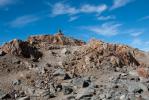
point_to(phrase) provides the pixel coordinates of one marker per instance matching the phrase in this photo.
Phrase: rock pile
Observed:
(69, 69)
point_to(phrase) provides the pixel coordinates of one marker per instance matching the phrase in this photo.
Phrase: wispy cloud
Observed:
(106, 29)
(137, 42)
(62, 8)
(23, 20)
(105, 18)
(144, 18)
(73, 18)
(87, 8)
(120, 3)
(135, 32)
(4, 3)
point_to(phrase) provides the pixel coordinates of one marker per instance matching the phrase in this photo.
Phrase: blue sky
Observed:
(117, 21)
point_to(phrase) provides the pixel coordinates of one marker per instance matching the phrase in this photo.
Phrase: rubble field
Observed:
(56, 67)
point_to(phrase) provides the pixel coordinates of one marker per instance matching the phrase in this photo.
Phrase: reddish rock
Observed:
(58, 39)
(143, 72)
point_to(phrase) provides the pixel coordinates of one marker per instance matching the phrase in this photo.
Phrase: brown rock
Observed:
(143, 72)
(21, 48)
(58, 39)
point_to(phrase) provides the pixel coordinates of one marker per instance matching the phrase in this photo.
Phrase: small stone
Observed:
(66, 77)
(122, 97)
(71, 98)
(102, 96)
(85, 92)
(2, 94)
(59, 72)
(67, 90)
(86, 84)
(16, 61)
(52, 90)
(24, 98)
(80, 82)
(16, 82)
(65, 51)
(58, 88)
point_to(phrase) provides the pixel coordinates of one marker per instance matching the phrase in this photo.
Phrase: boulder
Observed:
(81, 82)
(2, 53)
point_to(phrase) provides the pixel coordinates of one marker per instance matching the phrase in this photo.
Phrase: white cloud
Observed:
(23, 20)
(61, 9)
(73, 18)
(104, 18)
(135, 32)
(106, 29)
(87, 8)
(120, 3)
(144, 18)
(4, 3)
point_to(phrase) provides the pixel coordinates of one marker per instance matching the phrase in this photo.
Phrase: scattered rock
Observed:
(59, 72)
(134, 87)
(24, 98)
(85, 92)
(80, 82)
(143, 72)
(67, 90)
(2, 94)
(65, 51)
(16, 82)
(56, 67)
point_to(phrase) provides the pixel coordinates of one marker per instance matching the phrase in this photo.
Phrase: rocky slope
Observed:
(55, 67)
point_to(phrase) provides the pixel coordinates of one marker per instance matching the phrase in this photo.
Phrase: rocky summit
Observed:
(56, 67)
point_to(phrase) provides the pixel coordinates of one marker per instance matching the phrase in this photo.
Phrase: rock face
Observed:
(21, 48)
(97, 54)
(63, 68)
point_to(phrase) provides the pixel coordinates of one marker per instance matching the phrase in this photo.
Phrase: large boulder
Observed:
(2, 53)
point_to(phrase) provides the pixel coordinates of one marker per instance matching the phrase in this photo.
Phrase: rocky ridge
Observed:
(55, 67)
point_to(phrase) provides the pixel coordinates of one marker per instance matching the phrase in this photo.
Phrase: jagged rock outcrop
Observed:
(21, 48)
(57, 39)
(98, 54)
